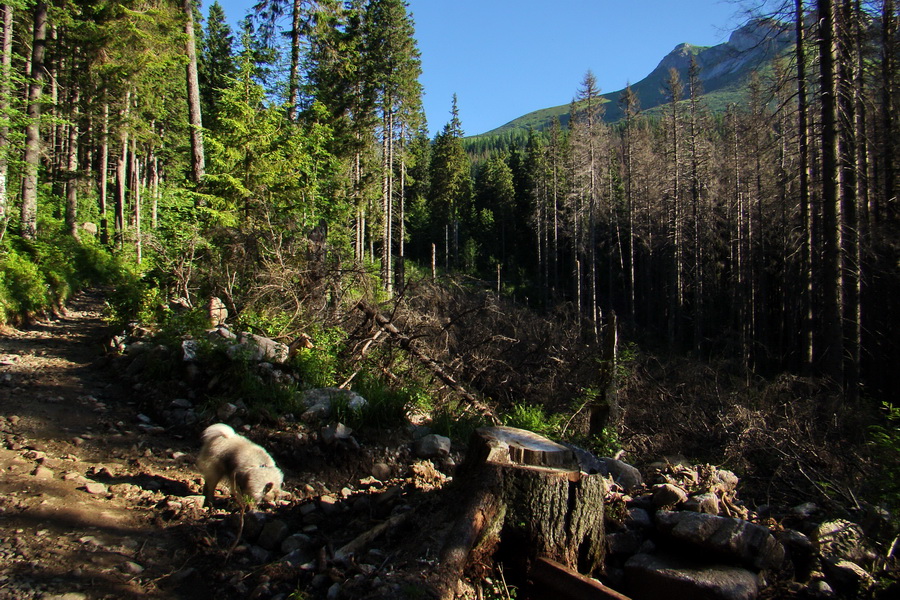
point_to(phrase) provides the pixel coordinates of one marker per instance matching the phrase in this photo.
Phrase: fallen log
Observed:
(527, 498)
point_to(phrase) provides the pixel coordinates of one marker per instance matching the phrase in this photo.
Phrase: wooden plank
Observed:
(550, 576)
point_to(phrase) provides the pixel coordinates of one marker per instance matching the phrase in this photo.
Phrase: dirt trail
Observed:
(81, 485)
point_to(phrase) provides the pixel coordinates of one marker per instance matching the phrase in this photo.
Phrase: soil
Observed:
(94, 503)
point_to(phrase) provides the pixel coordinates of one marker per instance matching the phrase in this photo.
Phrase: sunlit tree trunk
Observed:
(5, 91)
(32, 156)
(198, 160)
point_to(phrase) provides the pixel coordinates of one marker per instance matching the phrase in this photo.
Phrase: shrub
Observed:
(534, 418)
(885, 439)
(22, 286)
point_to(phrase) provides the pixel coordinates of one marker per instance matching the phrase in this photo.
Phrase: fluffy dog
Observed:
(250, 471)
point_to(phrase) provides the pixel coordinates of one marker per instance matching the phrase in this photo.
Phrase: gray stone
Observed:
(189, 350)
(297, 541)
(181, 403)
(847, 577)
(753, 545)
(42, 472)
(319, 402)
(273, 533)
(431, 446)
(638, 518)
(623, 543)
(668, 495)
(381, 471)
(258, 348)
(654, 577)
(335, 433)
(840, 539)
(703, 503)
(625, 475)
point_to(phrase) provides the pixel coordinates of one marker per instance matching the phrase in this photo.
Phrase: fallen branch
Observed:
(363, 540)
(431, 364)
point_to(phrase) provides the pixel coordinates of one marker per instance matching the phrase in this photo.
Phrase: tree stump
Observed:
(526, 498)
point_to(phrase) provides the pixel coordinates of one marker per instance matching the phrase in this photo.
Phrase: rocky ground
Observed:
(98, 502)
(100, 498)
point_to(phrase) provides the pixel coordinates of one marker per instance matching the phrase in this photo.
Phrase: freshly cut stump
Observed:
(527, 491)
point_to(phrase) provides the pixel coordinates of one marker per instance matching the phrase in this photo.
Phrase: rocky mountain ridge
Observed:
(725, 70)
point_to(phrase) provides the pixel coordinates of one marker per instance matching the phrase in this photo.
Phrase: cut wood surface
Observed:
(527, 490)
(510, 445)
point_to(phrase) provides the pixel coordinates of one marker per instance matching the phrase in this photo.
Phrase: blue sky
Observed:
(505, 58)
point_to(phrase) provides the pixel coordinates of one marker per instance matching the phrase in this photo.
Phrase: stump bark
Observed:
(526, 498)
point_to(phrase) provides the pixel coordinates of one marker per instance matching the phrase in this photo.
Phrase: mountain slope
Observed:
(724, 71)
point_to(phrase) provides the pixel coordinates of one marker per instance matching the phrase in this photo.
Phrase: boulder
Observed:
(753, 545)
(668, 495)
(320, 401)
(217, 311)
(431, 446)
(258, 348)
(627, 476)
(650, 577)
(703, 503)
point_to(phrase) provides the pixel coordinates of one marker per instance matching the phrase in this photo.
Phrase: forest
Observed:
(286, 168)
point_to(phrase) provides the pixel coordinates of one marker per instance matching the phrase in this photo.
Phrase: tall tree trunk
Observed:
(72, 167)
(806, 339)
(5, 91)
(888, 82)
(102, 173)
(294, 75)
(122, 175)
(832, 351)
(32, 156)
(198, 160)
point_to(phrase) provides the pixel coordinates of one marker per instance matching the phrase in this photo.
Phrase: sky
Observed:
(506, 58)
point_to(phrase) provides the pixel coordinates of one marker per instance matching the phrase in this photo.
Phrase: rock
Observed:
(625, 475)
(799, 550)
(329, 505)
(297, 541)
(847, 577)
(840, 539)
(254, 521)
(381, 471)
(226, 411)
(257, 348)
(183, 403)
(189, 350)
(334, 592)
(703, 503)
(431, 446)
(220, 333)
(273, 533)
(753, 545)
(216, 311)
(668, 495)
(335, 433)
(623, 543)
(638, 518)
(42, 472)
(132, 568)
(654, 577)
(95, 488)
(320, 401)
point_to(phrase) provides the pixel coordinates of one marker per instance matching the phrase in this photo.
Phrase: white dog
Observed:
(250, 471)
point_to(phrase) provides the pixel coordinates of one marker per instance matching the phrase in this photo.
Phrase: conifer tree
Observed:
(216, 63)
(32, 130)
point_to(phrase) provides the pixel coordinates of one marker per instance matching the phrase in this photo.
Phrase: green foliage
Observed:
(134, 298)
(453, 421)
(42, 274)
(885, 440)
(534, 418)
(320, 366)
(22, 286)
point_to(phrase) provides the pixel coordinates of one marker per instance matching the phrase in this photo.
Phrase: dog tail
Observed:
(217, 430)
